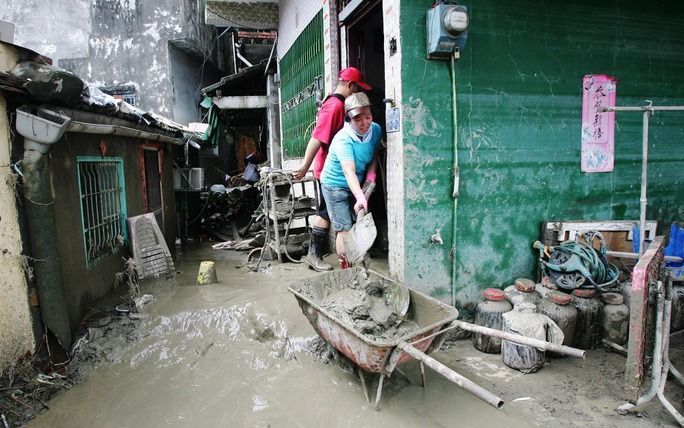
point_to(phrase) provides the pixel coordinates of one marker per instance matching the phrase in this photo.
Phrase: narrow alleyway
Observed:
(239, 354)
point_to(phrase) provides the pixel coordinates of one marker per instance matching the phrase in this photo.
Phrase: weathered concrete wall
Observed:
(119, 41)
(82, 286)
(187, 84)
(16, 336)
(519, 120)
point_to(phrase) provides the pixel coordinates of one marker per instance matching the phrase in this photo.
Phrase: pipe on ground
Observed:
(523, 340)
(454, 377)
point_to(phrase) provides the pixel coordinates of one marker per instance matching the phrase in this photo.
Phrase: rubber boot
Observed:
(316, 248)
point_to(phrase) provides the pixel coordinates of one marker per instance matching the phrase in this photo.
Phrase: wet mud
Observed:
(363, 306)
(240, 353)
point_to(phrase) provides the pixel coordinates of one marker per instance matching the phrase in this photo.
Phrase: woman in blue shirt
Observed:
(353, 154)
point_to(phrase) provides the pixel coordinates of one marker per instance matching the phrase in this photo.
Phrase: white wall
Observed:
(294, 16)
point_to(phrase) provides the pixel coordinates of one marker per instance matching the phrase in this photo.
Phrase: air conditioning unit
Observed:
(181, 178)
(197, 178)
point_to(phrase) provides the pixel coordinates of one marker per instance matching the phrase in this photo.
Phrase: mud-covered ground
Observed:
(240, 353)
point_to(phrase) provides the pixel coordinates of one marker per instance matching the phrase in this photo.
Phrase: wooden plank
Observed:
(645, 273)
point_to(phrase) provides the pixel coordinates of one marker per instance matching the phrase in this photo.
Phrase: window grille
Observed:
(103, 206)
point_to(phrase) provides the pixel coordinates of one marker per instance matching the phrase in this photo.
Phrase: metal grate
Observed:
(103, 206)
(301, 71)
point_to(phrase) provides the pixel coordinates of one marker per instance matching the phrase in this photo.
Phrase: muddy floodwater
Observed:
(240, 353)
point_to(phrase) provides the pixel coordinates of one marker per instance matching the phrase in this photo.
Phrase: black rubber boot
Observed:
(316, 248)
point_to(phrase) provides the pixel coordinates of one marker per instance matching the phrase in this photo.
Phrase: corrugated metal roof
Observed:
(258, 15)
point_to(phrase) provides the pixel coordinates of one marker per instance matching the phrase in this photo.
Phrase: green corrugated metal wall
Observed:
(519, 117)
(301, 67)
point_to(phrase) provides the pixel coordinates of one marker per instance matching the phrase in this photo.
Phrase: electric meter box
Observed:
(447, 30)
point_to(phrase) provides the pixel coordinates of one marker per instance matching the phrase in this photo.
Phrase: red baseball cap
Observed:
(352, 74)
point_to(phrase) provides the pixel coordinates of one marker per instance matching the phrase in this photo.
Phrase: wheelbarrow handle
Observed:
(451, 375)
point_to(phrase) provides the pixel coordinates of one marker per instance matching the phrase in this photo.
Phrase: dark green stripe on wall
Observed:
(301, 66)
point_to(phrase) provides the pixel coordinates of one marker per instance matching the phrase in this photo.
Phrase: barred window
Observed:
(103, 206)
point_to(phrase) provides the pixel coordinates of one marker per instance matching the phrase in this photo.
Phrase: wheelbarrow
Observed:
(371, 354)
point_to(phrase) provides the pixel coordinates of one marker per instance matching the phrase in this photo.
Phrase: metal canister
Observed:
(615, 322)
(556, 305)
(489, 313)
(588, 325)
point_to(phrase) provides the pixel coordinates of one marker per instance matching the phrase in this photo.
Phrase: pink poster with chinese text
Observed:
(598, 128)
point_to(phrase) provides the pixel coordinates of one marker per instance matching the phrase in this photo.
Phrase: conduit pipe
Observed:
(456, 173)
(523, 340)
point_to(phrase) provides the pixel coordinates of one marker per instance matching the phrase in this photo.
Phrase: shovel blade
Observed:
(361, 238)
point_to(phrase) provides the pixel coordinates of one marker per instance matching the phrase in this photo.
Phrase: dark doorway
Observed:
(153, 184)
(364, 34)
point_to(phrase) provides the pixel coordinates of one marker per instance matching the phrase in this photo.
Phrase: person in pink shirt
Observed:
(330, 119)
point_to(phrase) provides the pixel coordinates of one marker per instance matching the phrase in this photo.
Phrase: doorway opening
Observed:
(362, 46)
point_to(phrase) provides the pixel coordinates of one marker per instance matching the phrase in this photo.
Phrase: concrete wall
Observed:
(519, 104)
(82, 286)
(118, 41)
(16, 336)
(294, 16)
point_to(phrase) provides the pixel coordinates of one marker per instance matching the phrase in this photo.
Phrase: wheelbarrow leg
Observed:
(422, 374)
(379, 392)
(363, 383)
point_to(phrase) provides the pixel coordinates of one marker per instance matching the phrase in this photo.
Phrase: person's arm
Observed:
(311, 149)
(349, 169)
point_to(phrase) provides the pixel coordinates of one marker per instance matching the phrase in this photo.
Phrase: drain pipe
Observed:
(40, 131)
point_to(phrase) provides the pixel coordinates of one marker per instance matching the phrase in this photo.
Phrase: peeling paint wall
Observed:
(119, 41)
(16, 336)
(519, 121)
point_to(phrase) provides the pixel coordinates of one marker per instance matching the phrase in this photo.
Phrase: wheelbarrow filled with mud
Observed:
(353, 310)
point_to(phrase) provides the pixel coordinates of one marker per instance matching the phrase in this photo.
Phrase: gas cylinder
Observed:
(489, 313)
(556, 305)
(523, 290)
(588, 326)
(615, 322)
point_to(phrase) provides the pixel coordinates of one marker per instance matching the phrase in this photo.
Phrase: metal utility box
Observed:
(447, 30)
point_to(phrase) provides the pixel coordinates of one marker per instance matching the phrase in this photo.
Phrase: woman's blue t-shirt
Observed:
(346, 146)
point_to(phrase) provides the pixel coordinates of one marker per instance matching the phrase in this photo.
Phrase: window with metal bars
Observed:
(103, 206)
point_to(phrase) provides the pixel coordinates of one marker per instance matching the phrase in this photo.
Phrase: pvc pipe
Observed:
(644, 183)
(456, 174)
(523, 340)
(615, 347)
(628, 255)
(454, 377)
(642, 108)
